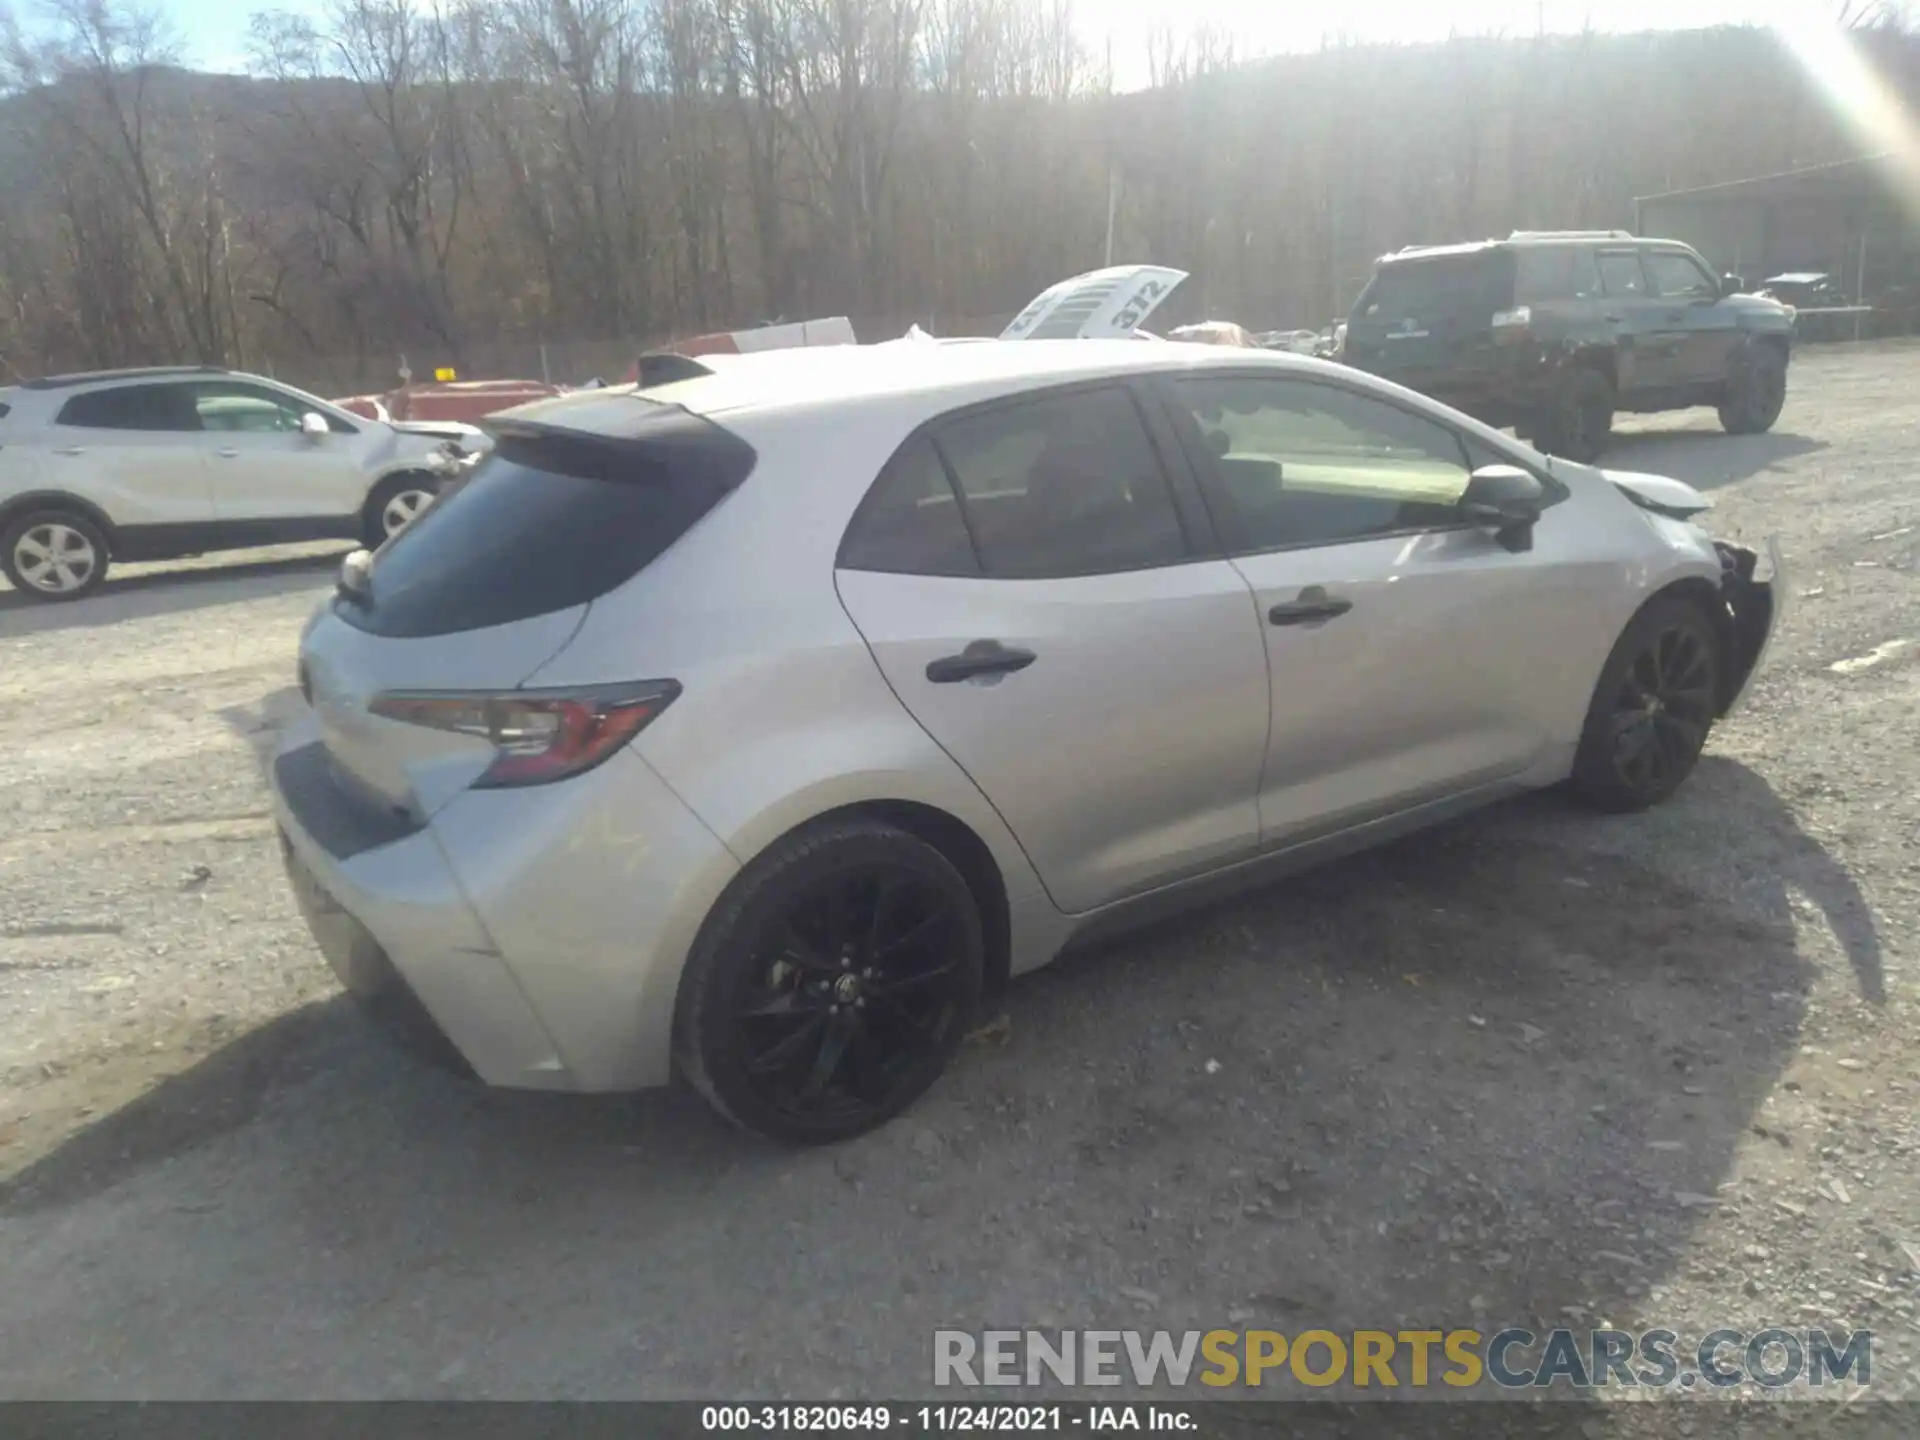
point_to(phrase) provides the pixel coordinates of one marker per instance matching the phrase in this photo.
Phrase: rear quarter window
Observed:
(548, 522)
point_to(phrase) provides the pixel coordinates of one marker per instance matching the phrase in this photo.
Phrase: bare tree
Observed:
(467, 179)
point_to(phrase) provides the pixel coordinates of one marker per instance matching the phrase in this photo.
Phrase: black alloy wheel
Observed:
(1663, 710)
(840, 988)
(1656, 701)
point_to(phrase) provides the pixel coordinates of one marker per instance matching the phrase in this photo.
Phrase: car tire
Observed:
(397, 496)
(832, 983)
(1578, 421)
(1757, 393)
(1652, 709)
(54, 554)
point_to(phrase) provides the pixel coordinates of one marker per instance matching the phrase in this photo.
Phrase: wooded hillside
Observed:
(463, 183)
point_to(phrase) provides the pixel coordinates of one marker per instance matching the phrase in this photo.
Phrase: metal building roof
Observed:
(1806, 178)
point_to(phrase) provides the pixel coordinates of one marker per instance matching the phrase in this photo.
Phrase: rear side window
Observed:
(1443, 286)
(911, 522)
(1622, 275)
(132, 407)
(547, 522)
(1068, 485)
(1556, 272)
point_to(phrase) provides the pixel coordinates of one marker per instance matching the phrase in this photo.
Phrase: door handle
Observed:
(72, 450)
(1676, 314)
(228, 454)
(982, 657)
(1313, 603)
(1613, 319)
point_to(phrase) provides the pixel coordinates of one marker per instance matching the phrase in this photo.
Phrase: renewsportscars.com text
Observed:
(1444, 1359)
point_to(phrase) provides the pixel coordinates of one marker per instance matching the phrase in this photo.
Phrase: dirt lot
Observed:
(1534, 1068)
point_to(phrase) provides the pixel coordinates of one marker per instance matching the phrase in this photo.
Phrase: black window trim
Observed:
(1189, 511)
(1234, 546)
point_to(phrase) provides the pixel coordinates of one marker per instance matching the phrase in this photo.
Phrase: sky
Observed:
(214, 32)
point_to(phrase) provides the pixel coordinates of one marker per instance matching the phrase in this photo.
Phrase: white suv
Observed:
(157, 464)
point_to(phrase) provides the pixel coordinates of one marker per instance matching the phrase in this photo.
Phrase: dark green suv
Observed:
(1552, 332)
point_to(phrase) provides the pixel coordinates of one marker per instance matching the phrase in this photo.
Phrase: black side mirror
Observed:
(1732, 285)
(1507, 501)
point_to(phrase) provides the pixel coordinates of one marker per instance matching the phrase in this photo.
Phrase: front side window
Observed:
(1620, 272)
(151, 408)
(1680, 277)
(245, 408)
(1297, 462)
(1067, 485)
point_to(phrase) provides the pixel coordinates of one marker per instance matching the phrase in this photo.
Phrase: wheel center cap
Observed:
(846, 988)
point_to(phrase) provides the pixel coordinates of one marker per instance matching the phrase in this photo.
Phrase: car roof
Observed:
(103, 377)
(1524, 240)
(945, 376)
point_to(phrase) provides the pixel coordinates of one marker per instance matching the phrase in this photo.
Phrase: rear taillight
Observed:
(540, 735)
(1512, 324)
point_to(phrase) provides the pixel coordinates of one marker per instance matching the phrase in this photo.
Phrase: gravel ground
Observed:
(1533, 1068)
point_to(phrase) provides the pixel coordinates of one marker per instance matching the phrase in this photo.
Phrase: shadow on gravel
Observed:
(1489, 1076)
(163, 592)
(1705, 459)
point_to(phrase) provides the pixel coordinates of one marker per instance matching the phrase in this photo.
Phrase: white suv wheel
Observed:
(54, 558)
(402, 509)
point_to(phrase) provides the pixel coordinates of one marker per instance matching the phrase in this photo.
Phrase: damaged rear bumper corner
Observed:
(1754, 608)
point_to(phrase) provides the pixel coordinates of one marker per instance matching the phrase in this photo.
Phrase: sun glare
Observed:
(1864, 102)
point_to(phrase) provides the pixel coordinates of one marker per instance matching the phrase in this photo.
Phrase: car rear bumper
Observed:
(535, 937)
(392, 921)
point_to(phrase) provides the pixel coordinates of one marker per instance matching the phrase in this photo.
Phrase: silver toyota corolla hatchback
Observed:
(756, 726)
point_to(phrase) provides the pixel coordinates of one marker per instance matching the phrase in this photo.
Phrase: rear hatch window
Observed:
(551, 519)
(1416, 311)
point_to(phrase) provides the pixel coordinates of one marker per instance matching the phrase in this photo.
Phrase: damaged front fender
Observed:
(1754, 608)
